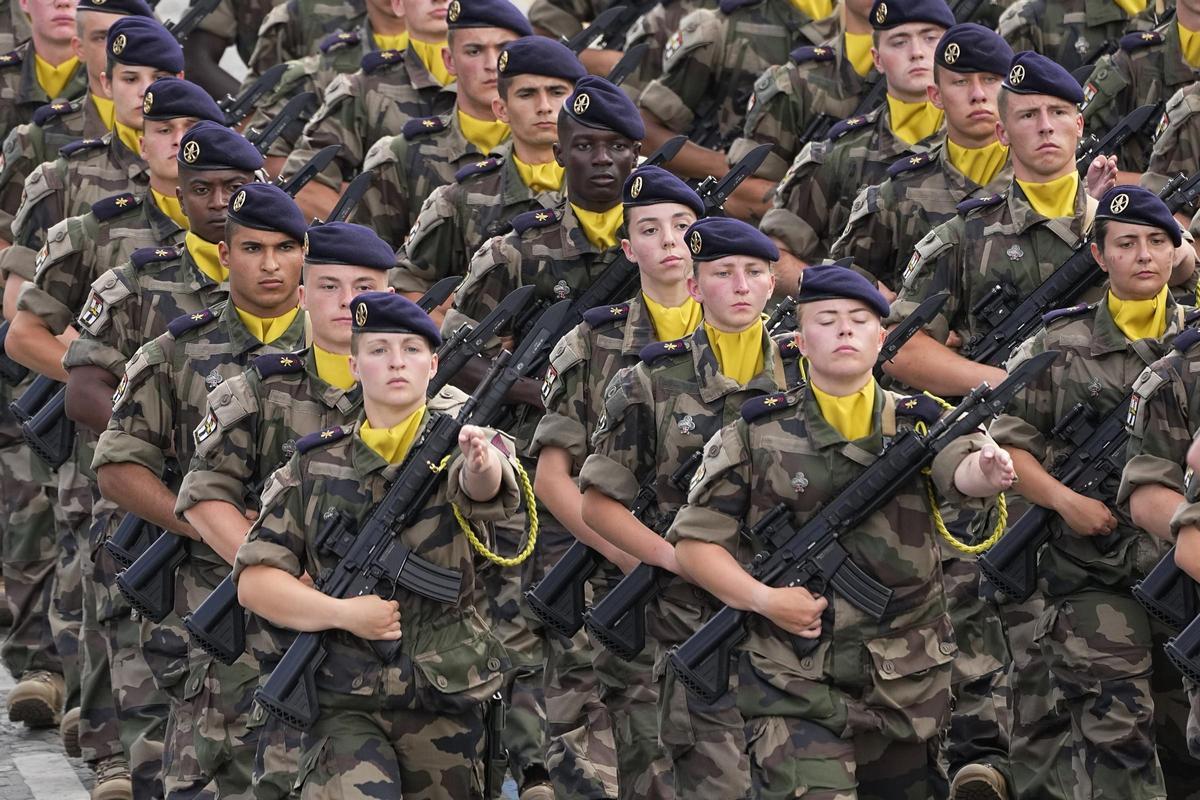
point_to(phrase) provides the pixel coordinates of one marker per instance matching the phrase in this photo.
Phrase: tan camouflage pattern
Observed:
(1072, 33)
(293, 29)
(20, 92)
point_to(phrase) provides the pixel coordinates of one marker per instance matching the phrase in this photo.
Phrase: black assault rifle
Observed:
(238, 108)
(45, 427)
(1168, 594)
(191, 19)
(1130, 125)
(817, 129)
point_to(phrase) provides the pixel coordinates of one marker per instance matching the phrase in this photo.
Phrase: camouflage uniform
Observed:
(888, 219)
(20, 92)
(407, 168)
(1148, 68)
(863, 710)
(711, 63)
(1177, 140)
(457, 218)
(1071, 32)
(565, 18)
(238, 23)
(654, 29)
(291, 30)
(653, 416)
(415, 722)
(14, 25)
(815, 197)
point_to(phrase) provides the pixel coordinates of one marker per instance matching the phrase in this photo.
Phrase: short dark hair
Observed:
(502, 84)
(1099, 229)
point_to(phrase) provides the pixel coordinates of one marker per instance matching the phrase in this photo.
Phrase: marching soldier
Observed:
(1177, 140)
(1070, 32)
(43, 69)
(292, 29)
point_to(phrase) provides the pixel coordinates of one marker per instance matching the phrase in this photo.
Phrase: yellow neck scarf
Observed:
(205, 255)
(858, 52)
(912, 122)
(106, 110)
(1189, 43)
(600, 227)
(334, 368)
(739, 355)
(130, 137)
(980, 164)
(850, 415)
(814, 9)
(546, 177)
(1140, 319)
(174, 209)
(485, 134)
(1131, 7)
(397, 41)
(430, 54)
(673, 322)
(392, 443)
(266, 329)
(1054, 198)
(53, 79)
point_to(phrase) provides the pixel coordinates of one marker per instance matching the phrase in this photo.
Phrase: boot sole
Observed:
(70, 743)
(34, 713)
(977, 790)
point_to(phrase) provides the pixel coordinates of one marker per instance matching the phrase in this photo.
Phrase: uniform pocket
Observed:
(910, 680)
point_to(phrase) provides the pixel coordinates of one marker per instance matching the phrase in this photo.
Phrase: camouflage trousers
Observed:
(357, 750)
(66, 606)
(705, 742)
(1172, 721)
(277, 760)
(630, 693)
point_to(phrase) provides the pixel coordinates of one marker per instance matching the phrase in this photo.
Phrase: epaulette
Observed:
(278, 364)
(919, 406)
(376, 59)
(45, 113)
(730, 6)
(1062, 313)
(652, 352)
(80, 145)
(1186, 338)
(147, 255)
(1136, 41)
(1190, 317)
(595, 317)
(542, 218)
(327, 436)
(339, 39)
(759, 407)
(10, 59)
(478, 168)
(110, 207)
(182, 324)
(845, 126)
(972, 203)
(808, 53)
(907, 163)
(419, 127)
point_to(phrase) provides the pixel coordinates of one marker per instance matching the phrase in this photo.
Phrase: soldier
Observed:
(429, 151)
(859, 716)
(887, 220)
(229, 24)
(292, 29)
(1070, 32)
(1176, 143)
(43, 69)
(414, 723)
(536, 74)
(653, 416)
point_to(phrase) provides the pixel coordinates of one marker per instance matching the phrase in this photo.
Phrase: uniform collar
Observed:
(163, 227)
(243, 341)
(198, 279)
(888, 147)
(367, 462)
(1102, 12)
(714, 385)
(513, 190)
(574, 235)
(419, 76)
(1108, 338)
(344, 400)
(1176, 70)
(1024, 217)
(824, 436)
(639, 328)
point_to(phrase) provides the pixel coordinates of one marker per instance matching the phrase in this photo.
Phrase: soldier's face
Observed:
(393, 370)
(969, 101)
(472, 57)
(426, 19)
(127, 86)
(597, 162)
(1042, 133)
(656, 243)
(1137, 258)
(905, 57)
(840, 337)
(205, 196)
(160, 144)
(91, 32)
(733, 290)
(326, 294)
(264, 271)
(52, 19)
(531, 108)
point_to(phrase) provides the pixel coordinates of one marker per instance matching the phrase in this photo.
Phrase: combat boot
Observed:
(6, 617)
(112, 779)
(68, 729)
(978, 782)
(37, 699)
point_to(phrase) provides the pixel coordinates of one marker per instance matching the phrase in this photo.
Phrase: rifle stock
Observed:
(1184, 651)
(49, 433)
(148, 584)
(1168, 593)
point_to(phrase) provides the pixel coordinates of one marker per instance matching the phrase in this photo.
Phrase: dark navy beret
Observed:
(887, 14)
(1031, 73)
(970, 47)
(648, 185)
(829, 281)
(266, 207)
(487, 14)
(540, 55)
(597, 103)
(717, 237)
(171, 98)
(1138, 206)
(387, 312)
(142, 42)
(347, 243)
(210, 145)
(133, 8)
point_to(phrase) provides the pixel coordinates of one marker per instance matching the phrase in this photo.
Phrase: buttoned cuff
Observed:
(608, 477)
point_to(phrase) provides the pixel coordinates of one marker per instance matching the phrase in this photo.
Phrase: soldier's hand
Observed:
(475, 447)
(1101, 175)
(1087, 516)
(371, 617)
(996, 465)
(795, 609)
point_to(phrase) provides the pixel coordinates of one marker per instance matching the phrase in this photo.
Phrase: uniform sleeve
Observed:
(932, 268)
(1159, 432)
(565, 396)
(276, 539)
(1030, 415)
(504, 505)
(387, 204)
(143, 418)
(719, 496)
(43, 206)
(691, 64)
(946, 463)
(625, 442)
(1177, 146)
(58, 289)
(337, 121)
(801, 212)
(779, 112)
(1016, 26)
(869, 235)
(433, 248)
(18, 163)
(226, 446)
(270, 48)
(1108, 93)
(489, 280)
(88, 352)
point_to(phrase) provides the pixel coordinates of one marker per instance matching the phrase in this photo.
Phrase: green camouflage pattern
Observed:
(20, 92)
(294, 29)
(1071, 32)
(1177, 140)
(238, 23)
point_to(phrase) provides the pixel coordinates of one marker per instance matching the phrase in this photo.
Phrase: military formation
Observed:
(716, 401)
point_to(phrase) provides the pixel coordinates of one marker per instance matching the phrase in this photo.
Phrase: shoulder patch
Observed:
(758, 407)
(423, 125)
(541, 218)
(1184, 341)
(79, 146)
(920, 407)
(327, 436)
(377, 59)
(339, 39)
(146, 255)
(652, 352)
(1136, 41)
(45, 113)
(182, 324)
(110, 207)
(279, 364)
(12, 58)
(908, 163)
(478, 168)
(595, 317)
(1063, 313)
(972, 203)
(845, 126)
(730, 6)
(808, 54)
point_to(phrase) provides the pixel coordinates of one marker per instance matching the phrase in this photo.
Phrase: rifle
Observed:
(783, 318)
(191, 19)
(1184, 651)
(351, 197)
(49, 433)
(627, 64)
(615, 34)
(605, 20)
(495, 754)
(1168, 593)
(1132, 124)
(714, 193)
(964, 10)
(557, 599)
(296, 108)
(11, 372)
(618, 620)
(467, 342)
(311, 169)
(811, 553)
(818, 127)
(1182, 193)
(238, 108)
(133, 535)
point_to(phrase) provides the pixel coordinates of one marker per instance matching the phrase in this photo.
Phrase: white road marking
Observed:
(50, 777)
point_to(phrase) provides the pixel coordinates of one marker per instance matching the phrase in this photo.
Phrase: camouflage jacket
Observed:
(814, 199)
(457, 218)
(1096, 367)
(565, 18)
(238, 23)
(888, 219)
(20, 92)
(711, 63)
(449, 659)
(1177, 140)
(1148, 68)
(407, 168)
(294, 28)
(1071, 32)
(14, 25)
(655, 29)
(360, 108)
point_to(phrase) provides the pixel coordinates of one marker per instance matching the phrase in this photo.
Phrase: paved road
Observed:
(32, 763)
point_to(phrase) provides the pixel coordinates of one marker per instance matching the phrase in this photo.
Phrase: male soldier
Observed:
(858, 716)
(1097, 638)
(211, 740)
(536, 74)
(429, 151)
(43, 69)
(1073, 33)
(815, 197)
(294, 28)
(679, 392)
(922, 191)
